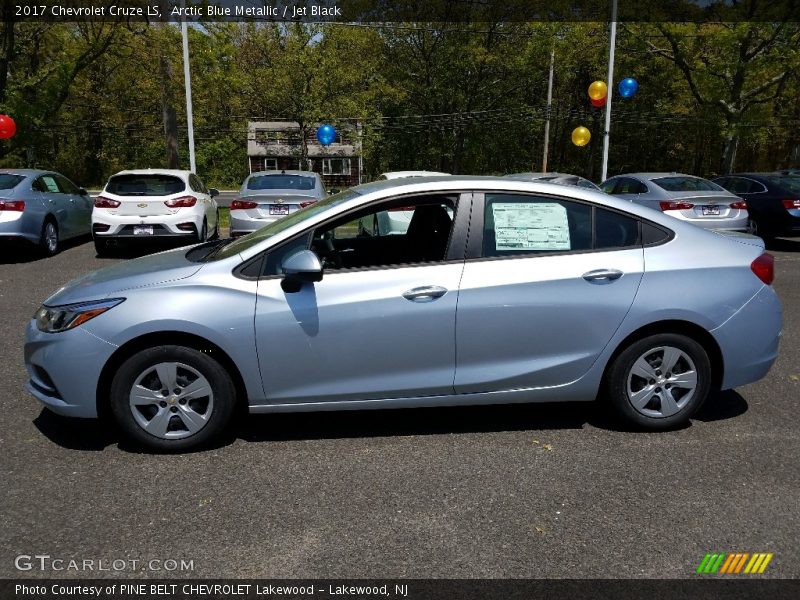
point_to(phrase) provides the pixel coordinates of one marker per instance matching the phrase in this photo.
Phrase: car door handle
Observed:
(602, 275)
(426, 293)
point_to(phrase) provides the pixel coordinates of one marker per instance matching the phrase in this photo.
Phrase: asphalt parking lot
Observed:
(497, 492)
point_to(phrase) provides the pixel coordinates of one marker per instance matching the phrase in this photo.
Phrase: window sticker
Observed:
(51, 184)
(530, 226)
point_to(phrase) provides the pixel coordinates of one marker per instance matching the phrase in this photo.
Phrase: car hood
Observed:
(139, 272)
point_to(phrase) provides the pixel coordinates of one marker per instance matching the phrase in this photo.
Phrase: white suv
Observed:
(154, 204)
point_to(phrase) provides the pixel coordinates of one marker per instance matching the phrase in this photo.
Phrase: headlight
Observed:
(52, 319)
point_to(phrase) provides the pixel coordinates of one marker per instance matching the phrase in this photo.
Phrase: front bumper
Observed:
(64, 369)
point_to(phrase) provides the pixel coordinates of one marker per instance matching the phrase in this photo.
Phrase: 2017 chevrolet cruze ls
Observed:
(499, 291)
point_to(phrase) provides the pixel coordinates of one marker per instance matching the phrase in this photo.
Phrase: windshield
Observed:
(258, 236)
(687, 184)
(281, 182)
(145, 185)
(9, 181)
(790, 183)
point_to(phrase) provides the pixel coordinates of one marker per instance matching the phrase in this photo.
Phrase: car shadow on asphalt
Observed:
(15, 253)
(94, 435)
(784, 245)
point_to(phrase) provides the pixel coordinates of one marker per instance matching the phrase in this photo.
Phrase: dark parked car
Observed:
(42, 208)
(773, 201)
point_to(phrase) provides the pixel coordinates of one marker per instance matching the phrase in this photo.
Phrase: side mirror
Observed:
(300, 267)
(213, 192)
(83, 192)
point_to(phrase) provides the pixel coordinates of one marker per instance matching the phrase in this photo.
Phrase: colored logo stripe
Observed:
(733, 563)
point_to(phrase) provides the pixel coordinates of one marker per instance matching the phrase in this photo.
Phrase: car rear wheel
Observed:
(100, 247)
(203, 235)
(660, 381)
(216, 228)
(172, 398)
(753, 228)
(48, 242)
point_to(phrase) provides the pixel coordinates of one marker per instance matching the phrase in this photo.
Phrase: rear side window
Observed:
(281, 182)
(515, 224)
(145, 185)
(9, 182)
(686, 184)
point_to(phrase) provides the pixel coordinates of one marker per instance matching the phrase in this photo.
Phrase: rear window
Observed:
(145, 185)
(686, 184)
(8, 181)
(281, 182)
(790, 183)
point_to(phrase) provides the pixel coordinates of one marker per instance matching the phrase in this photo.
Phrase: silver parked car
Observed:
(553, 177)
(529, 292)
(266, 196)
(685, 197)
(42, 208)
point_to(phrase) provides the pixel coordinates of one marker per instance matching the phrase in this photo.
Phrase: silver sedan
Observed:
(42, 208)
(685, 197)
(499, 291)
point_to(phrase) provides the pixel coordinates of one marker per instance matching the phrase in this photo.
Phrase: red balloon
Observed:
(600, 102)
(7, 127)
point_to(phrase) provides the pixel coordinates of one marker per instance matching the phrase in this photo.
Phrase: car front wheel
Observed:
(660, 381)
(172, 398)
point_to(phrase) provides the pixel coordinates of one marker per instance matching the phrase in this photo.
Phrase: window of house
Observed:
(336, 166)
(270, 164)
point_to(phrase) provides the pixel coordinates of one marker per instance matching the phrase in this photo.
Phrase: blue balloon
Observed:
(628, 87)
(326, 134)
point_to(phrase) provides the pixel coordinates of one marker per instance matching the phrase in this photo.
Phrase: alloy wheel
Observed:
(661, 382)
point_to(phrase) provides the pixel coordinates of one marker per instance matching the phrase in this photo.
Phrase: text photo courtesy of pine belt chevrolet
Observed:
(266, 196)
(42, 208)
(499, 291)
(149, 204)
(683, 197)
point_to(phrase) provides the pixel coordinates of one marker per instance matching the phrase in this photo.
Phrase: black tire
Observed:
(100, 247)
(49, 244)
(202, 235)
(216, 229)
(657, 413)
(217, 411)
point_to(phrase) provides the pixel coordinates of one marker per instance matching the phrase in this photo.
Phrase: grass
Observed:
(224, 217)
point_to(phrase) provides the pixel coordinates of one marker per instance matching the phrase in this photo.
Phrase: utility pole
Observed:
(549, 107)
(187, 78)
(610, 83)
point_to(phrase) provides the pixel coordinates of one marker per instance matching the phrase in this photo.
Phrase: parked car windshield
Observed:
(281, 182)
(9, 181)
(687, 184)
(790, 183)
(258, 236)
(145, 185)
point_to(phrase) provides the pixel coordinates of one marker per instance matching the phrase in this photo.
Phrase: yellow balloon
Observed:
(598, 90)
(581, 136)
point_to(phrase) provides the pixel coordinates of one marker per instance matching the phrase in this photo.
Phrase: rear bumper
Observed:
(126, 232)
(19, 227)
(241, 224)
(749, 340)
(122, 226)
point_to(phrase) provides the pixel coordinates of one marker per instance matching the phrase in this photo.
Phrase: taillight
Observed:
(15, 205)
(764, 268)
(790, 204)
(182, 202)
(242, 205)
(309, 203)
(740, 204)
(103, 202)
(675, 205)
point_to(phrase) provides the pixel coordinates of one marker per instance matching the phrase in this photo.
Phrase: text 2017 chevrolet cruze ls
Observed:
(499, 291)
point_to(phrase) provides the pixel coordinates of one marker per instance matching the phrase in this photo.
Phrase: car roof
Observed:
(656, 175)
(404, 174)
(284, 172)
(178, 172)
(12, 171)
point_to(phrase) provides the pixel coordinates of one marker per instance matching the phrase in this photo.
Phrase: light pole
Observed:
(187, 79)
(549, 108)
(610, 82)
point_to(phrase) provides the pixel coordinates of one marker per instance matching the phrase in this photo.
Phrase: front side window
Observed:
(627, 185)
(145, 185)
(66, 186)
(514, 224)
(47, 183)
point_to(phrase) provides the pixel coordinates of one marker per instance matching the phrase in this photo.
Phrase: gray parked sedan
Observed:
(685, 197)
(267, 196)
(42, 207)
(553, 177)
(499, 291)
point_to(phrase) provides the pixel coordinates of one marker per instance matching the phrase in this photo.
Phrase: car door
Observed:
(57, 203)
(79, 208)
(379, 325)
(546, 284)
